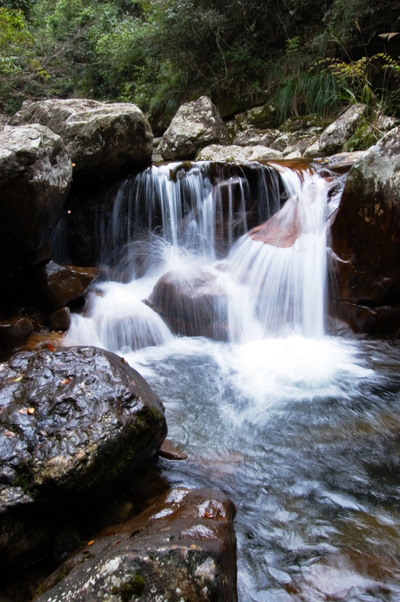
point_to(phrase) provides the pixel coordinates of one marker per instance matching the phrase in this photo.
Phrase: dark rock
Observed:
(72, 423)
(13, 333)
(366, 240)
(181, 548)
(195, 125)
(192, 303)
(61, 284)
(35, 175)
(100, 138)
(60, 319)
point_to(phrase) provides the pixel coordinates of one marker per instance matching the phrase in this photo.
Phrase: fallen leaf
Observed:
(50, 347)
(18, 379)
(116, 543)
(31, 410)
(91, 542)
(22, 411)
(65, 381)
(9, 434)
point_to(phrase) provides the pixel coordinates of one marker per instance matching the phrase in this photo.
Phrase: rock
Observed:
(100, 138)
(292, 152)
(215, 152)
(366, 239)
(181, 548)
(169, 451)
(196, 124)
(73, 422)
(282, 230)
(254, 137)
(337, 133)
(61, 284)
(263, 116)
(60, 319)
(342, 162)
(313, 150)
(283, 141)
(14, 333)
(192, 303)
(35, 175)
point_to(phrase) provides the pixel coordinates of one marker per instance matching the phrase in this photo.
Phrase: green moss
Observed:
(134, 587)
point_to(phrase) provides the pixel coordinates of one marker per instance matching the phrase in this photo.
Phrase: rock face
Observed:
(35, 175)
(366, 241)
(192, 303)
(61, 284)
(255, 137)
(337, 133)
(195, 125)
(72, 422)
(100, 138)
(216, 152)
(181, 548)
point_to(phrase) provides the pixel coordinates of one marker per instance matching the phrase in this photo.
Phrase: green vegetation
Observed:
(306, 56)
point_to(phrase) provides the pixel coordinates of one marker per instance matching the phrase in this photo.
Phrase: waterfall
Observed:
(200, 263)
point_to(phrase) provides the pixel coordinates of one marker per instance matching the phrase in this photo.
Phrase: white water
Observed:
(295, 426)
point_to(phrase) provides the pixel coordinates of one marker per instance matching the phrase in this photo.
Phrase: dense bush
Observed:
(160, 53)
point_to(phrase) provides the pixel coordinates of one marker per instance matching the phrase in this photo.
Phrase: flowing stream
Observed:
(301, 429)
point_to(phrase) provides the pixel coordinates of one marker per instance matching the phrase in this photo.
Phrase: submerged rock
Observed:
(72, 423)
(181, 548)
(35, 175)
(195, 125)
(100, 138)
(366, 241)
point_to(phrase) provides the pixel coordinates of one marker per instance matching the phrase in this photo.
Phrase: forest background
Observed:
(302, 56)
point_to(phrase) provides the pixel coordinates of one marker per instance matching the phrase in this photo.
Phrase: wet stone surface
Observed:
(72, 423)
(182, 547)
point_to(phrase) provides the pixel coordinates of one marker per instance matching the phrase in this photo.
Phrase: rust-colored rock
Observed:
(282, 230)
(61, 284)
(366, 241)
(181, 548)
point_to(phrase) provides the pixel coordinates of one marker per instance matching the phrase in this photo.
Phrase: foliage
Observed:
(160, 53)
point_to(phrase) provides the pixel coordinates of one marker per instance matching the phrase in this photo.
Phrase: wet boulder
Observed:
(366, 241)
(196, 124)
(13, 333)
(35, 175)
(191, 302)
(60, 284)
(73, 423)
(100, 138)
(216, 152)
(181, 548)
(334, 137)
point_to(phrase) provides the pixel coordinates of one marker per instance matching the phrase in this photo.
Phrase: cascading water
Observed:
(299, 428)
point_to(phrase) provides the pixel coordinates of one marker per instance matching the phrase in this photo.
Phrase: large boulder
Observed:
(192, 302)
(216, 152)
(366, 241)
(334, 137)
(195, 125)
(100, 138)
(58, 285)
(181, 548)
(73, 422)
(35, 175)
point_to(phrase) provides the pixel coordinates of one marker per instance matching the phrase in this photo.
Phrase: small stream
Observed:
(301, 429)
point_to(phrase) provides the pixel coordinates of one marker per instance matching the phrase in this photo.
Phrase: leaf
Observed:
(50, 347)
(9, 434)
(31, 410)
(22, 411)
(18, 379)
(91, 542)
(389, 36)
(65, 381)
